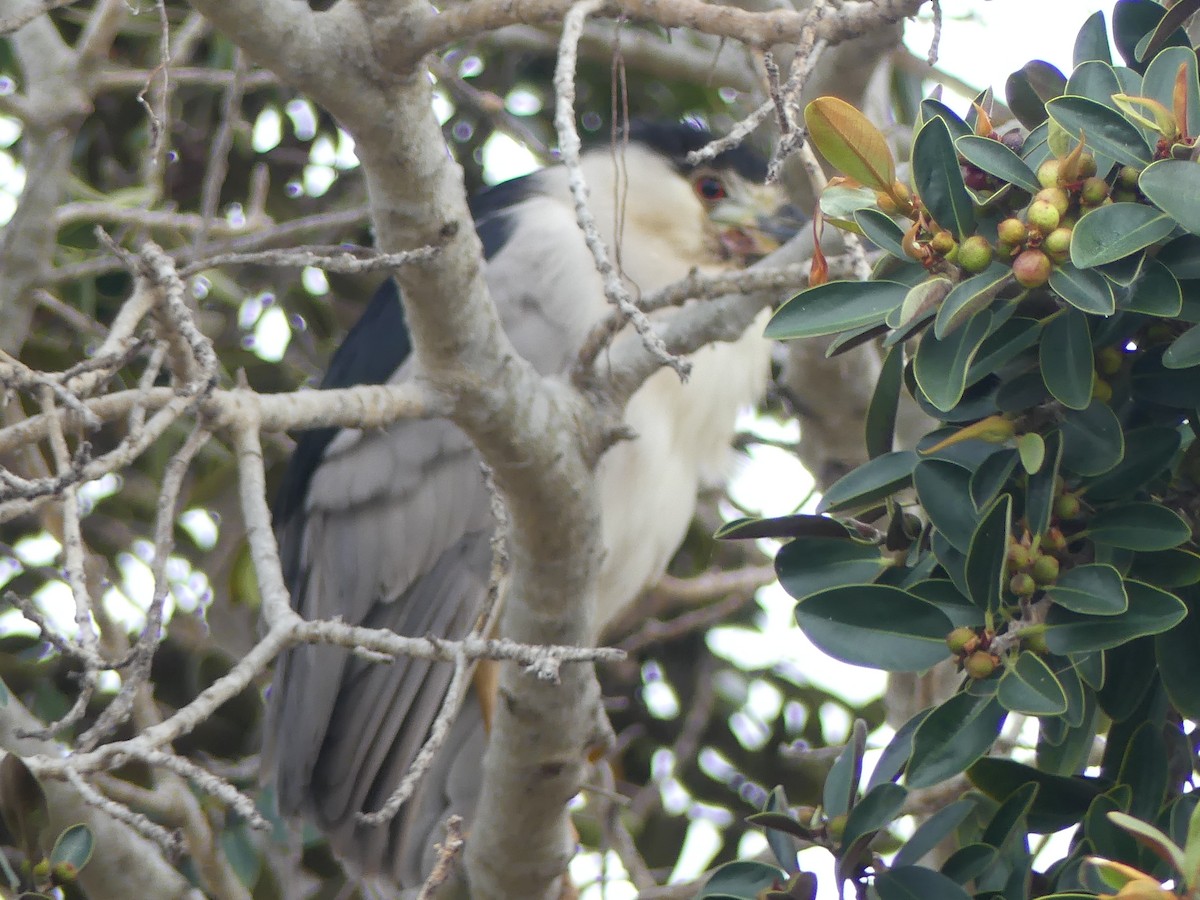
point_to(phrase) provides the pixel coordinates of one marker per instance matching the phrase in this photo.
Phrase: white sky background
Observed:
(982, 42)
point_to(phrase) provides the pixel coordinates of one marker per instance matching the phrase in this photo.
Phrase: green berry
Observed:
(1042, 216)
(1068, 507)
(1011, 232)
(980, 664)
(942, 243)
(1058, 244)
(1022, 584)
(962, 640)
(1045, 570)
(1127, 177)
(975, 254)
(1056, 197)
(1093, 192)
(1047, 173)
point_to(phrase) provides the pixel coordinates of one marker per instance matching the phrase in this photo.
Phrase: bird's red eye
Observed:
(710, 188)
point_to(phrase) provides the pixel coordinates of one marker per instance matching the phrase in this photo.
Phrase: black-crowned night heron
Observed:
(391, 528)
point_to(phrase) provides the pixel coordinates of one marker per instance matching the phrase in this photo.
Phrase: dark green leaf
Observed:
(1150, 611)
(782, 527)
(1002, 346)
(987, 554)
(991, 476)
(952, 737)
(833, 307)
(1173, 185)
(808, 565)
(781, 842)
(1151, 382)
(881, 414)
(876, 626)
(870, 482)
(1105, 130)
(1085, 289)
(1166, 30)
(1178, 661)
(916, 883)
(1167, 569)
(946, 596)
(1148, 451)
(933, 831)
(1109, 233)
(938, 179)
(741, 880)
(1061, 801)
(995, 158)
(882, 230)
(1138, 526)
(1157, 291)
(1090, 588)
(841, 785)
(969, 862)
(936, 109)
(1066, 359)
(1041, 488)
(1095, 80)
(1185, 351)
(73, 847)
(1093, 442)
(970, 296)
(1028, 686)
(1144, 768)
(1092, 41)
(1159, 82)
(944, 491)
(941, 366)
(1181, 257)
(1133, 23)
(895, 755)
(874, 811)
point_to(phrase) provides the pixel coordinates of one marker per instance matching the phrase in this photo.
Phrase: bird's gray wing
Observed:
(394, 533)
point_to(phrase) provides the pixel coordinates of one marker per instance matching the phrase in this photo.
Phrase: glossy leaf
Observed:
(1041, 487)
(1060, 800)
(782, 527)
(1093, 441)
(941, 366)
(1167, 569)
(73, 847)
(988, 551)
(939, 181)
(1173, 185)
(933, 831)
(916, 883)
(835, 306)
(1138, 526)
(1091, 588)
(970, 296)
(885, 400)
(1178, 661)
(936, 109)
(1028, 89)
(875, 811)
(995, 158)
(1105, 130)
(1029, 687)
(1150, 611)
(942, 487)
(1065, 354)
(882, 229)
(896, 754)
(952, 737)
(809, 565)
(870, 482)
(851, 143)
(1092, 41)
(740, 880)
(1085, 289)
(1109, 233)
(876, 626)
(991, 476)
(1185, 351)
(1160, 83)
(841, 784)
(1134, 21)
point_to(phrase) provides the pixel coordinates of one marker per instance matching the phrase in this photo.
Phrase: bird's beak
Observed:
(749, 234)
